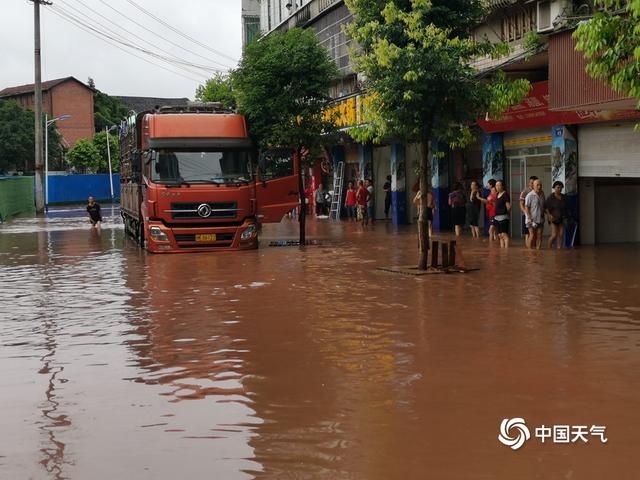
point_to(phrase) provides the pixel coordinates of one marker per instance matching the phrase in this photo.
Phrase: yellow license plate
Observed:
(206, 237)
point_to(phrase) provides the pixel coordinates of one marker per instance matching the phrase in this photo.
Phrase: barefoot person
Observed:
(93, 209)
(503, 207)
(350, 202)
(556, 206)
(534, 215)
(523, 194)
(458, 210)
(490, 203)
(476, 204)
(362, 197)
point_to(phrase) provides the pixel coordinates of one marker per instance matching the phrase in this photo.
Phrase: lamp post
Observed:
(46, 152)
(107, 130)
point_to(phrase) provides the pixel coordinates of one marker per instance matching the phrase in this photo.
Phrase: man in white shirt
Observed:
(534, 215)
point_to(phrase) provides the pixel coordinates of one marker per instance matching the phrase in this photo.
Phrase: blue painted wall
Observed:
(77, 188)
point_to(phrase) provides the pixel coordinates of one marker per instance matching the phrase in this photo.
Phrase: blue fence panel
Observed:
(77, 188)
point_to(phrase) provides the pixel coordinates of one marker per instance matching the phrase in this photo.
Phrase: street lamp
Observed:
(107, 130)
(46, 151)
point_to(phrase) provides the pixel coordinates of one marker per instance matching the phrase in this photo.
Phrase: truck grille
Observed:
(217, 210)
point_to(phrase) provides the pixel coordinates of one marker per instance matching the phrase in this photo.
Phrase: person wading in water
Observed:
(95, 217)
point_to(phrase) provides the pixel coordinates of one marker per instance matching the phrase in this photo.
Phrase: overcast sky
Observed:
(67, 50)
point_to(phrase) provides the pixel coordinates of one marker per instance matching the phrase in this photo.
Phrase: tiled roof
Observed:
(22, 89)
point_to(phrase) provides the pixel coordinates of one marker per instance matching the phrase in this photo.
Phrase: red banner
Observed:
(534, 112)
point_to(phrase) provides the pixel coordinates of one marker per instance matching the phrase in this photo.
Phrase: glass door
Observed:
(517, 183)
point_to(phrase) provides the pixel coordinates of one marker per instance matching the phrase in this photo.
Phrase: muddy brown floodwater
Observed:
(281, 363)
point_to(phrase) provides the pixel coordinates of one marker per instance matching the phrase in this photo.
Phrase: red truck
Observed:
(191, 180)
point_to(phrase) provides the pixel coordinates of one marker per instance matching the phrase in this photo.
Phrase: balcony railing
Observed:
(303, 15)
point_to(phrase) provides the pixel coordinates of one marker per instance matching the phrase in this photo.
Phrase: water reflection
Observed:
(288, 363)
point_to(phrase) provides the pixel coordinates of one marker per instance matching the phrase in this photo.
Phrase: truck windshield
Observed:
(187, 166)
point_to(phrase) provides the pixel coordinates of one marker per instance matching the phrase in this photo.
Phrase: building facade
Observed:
(569, 128)
(63, 96)
(250, 21)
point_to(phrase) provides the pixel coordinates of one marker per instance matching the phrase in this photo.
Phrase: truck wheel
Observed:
(141, 234)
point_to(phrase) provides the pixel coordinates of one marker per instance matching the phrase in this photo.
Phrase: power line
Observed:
(73, 22)
(80, 22)
(161, 37)
(118, 37)
(172, 28)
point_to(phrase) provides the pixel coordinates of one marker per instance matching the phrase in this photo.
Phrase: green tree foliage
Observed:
(217, 89)
(611, 43)
(107, 110)
(17, 132)
(282, 87)
(100, 142)
(91, 156)
(416, 56)
(84, 156)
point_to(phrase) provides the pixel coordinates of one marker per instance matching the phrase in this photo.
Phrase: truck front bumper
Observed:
(162, 239)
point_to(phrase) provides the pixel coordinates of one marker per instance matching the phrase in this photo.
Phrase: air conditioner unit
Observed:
(552, 13)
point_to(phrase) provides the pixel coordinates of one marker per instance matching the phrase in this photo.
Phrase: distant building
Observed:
(250, 21)
(142, 104)
(63, 96)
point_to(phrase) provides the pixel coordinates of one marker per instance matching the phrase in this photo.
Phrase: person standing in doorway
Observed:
(457, 204)
(362, 198)
(387, 196)
(95, 215)
(320, 201)
(476, 204)
(350, 202)
(534, 213)
(371, 214)
(523, 195)
(556, 206)
(501, 219)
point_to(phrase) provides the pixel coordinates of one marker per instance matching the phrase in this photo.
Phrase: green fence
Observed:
(16, 196)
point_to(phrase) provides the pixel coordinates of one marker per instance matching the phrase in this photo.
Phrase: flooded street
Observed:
(281, 363)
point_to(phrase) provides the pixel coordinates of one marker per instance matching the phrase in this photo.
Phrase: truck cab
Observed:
(193, 181)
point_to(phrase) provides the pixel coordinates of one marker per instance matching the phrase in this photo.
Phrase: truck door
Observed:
(277, 184)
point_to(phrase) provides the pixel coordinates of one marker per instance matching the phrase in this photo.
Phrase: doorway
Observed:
(522, 164)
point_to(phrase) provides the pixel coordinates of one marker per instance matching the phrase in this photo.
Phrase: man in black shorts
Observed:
(95, 217)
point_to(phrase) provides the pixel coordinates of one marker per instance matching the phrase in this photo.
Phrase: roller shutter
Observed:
(609, 150)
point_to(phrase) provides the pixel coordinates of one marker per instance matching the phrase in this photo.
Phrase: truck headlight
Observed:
(249, 232)
(158, 235)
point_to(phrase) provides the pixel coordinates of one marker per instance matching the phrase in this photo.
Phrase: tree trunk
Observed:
(303, 201)
(423, 223)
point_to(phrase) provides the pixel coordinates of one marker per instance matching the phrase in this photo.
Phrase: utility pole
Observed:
(39, 165)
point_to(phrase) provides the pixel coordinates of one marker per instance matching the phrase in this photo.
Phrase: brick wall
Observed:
(71, 98)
